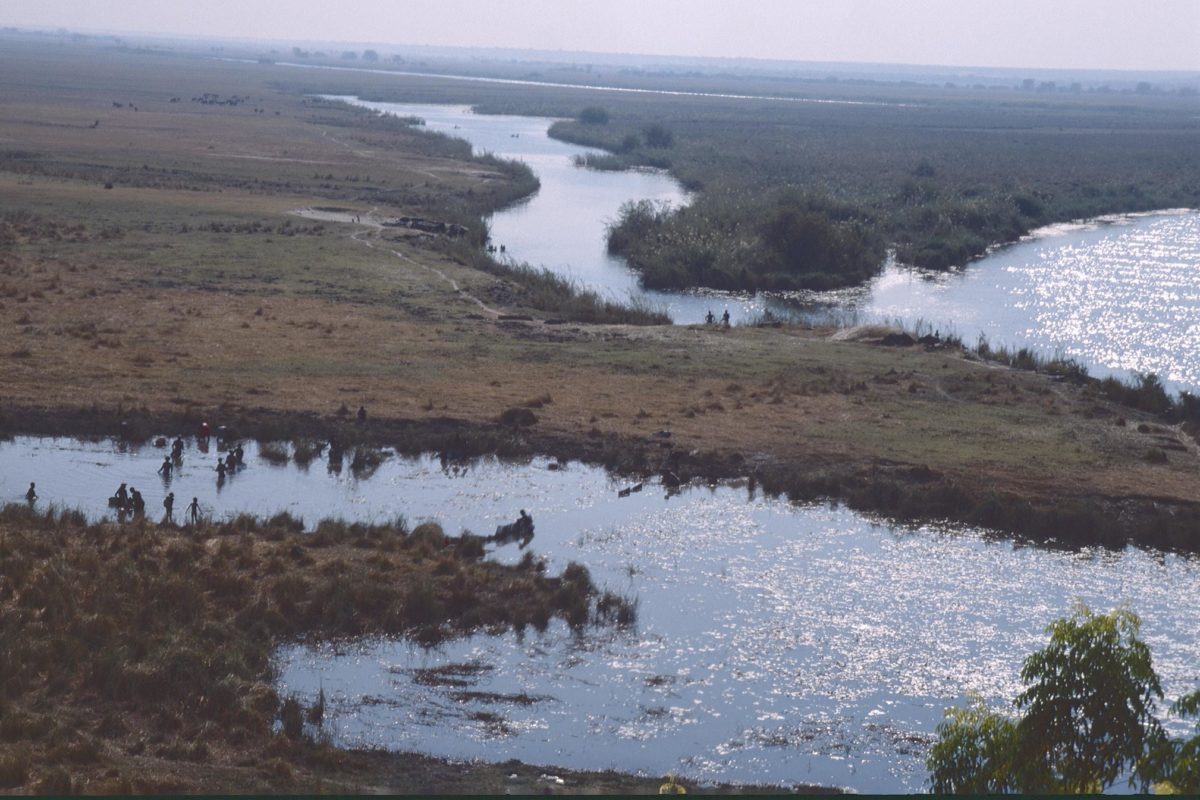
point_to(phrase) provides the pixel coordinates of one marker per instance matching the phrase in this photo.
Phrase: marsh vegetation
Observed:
(129, 647)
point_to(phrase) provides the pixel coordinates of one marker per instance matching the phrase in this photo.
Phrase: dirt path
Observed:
(370, 223)
(370, 154)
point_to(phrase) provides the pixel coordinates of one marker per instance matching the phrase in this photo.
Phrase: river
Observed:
(563, 227)
(1119, 294)
(775, 642)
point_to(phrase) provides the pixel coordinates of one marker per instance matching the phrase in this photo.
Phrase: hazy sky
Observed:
(1107, 34)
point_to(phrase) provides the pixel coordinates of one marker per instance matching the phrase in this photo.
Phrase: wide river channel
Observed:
(774, 643)
(1118, 294)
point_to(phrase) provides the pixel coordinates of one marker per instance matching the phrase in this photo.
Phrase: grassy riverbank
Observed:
(211, 297)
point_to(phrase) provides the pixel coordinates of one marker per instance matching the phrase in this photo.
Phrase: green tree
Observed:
(1179, 761)
(593, 115)
(1089, 708)
(657, 136)
(1088, 718)
(975, 752)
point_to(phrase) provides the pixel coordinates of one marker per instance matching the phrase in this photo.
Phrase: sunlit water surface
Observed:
(774, 643)
(1119, 295)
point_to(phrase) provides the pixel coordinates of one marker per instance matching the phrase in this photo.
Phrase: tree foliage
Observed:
(593, 115)
(1086, 718)
(657, 136)
(974, 753)
(778, 241)
(1178, 761)
(1089, 708)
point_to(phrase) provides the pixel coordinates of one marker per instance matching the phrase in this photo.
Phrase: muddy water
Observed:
(774, 643)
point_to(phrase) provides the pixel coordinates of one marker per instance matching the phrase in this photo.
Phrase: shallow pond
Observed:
(775, 642)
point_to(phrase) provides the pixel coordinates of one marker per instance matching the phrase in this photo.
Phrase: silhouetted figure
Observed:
(177, 448)
(221, 469)
(709, 318)
(136, 501)
(122, 498)
(31, 495)
(362, 414)
(165, 469)
(204, 431)
(169, 505)
(522, 529)
(240, 454)
(725, 318)
(194, 510)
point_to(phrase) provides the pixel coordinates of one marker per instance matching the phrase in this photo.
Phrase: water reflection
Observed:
(774, 642)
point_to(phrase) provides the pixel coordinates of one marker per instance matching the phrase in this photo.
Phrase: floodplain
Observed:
(186, 240)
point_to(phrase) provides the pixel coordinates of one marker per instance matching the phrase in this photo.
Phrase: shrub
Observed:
(593, 115)
(273, 452)
(657, 136)
(14, 767)
(518, 417)
(291, 717)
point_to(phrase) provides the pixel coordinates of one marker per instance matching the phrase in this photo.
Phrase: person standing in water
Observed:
(194, 510)
(136, 500)
(31, 495)
(169, 505)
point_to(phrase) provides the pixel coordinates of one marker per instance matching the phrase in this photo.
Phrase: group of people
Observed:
(709, 319)
(230, 463)
(127, 500)
(130, 501)
(173, 461)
